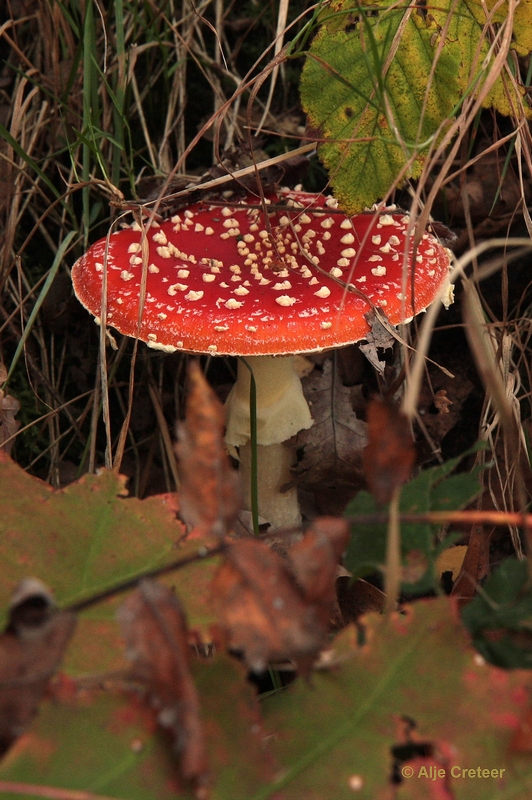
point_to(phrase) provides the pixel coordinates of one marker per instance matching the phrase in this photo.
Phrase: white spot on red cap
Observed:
(323, 292)
(285, 300)
(192, 295)
(177, 287)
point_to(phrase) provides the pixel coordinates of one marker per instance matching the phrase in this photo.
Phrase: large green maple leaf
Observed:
(86, 539)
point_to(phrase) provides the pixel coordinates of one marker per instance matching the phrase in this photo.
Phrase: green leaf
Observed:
(108, 744)
(433, 489)
(380, 87)
(500, 617)
(415, 680)
(86, 539)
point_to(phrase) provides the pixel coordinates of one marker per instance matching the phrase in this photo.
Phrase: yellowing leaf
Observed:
(380, 87)
(451, 560)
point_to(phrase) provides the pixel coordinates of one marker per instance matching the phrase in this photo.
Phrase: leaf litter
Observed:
(333, 445)
(182, 726)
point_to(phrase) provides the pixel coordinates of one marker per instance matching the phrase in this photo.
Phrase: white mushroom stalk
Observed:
(297, 276)
(281, 412)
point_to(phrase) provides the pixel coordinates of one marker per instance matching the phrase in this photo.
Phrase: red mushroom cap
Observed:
(226, 281)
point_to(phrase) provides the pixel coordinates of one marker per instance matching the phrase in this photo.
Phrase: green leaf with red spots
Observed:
(109, 744)
(86, 539)
(414, 695)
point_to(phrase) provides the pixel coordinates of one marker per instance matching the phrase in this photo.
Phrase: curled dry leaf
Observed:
(390, 454)
(9, 407)
(155, 630)
(272, 609)
(378, 337)
(31, 649)
(209, 495)
(334, 444)
(315, 559)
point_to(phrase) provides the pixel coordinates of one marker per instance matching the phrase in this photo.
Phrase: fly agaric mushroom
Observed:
(295, 276)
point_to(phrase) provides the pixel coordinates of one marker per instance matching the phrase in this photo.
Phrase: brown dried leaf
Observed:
(272, 610)
(31, 649)
(154, 627)
(209, 494)
(9, 407)
(442, 402)
(356, 598)
(390, 454)
(378, 337)
(334, 444)
(315, 560)
(475, 566)
(262, 611)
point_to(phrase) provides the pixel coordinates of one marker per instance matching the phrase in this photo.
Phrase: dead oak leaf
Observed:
(333, 445)
(155, 630)
(31, 649)
(209, 494)
(390, 454)
(315, 560)
(273, 609)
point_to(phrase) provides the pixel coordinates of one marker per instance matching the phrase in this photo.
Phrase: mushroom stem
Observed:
(279, 506)
(282, 411)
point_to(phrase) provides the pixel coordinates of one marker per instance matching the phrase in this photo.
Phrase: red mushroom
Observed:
(234, 280)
